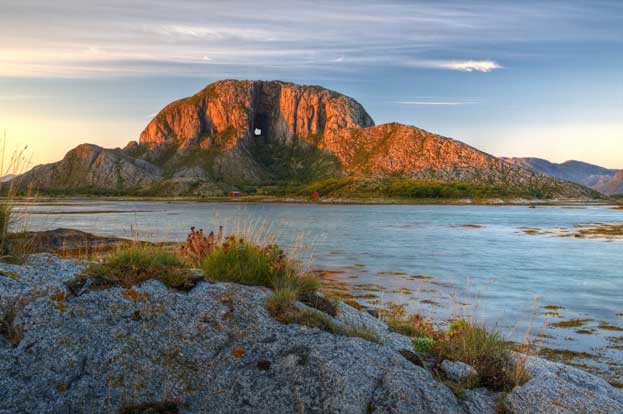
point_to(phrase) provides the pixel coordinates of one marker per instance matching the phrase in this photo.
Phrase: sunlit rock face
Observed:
(228, 113)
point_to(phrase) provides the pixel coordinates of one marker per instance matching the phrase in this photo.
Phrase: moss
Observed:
(164, 407)
(315, 319)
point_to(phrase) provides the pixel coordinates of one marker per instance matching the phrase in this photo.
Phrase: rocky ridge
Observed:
(236, 135)
(216, 349)
(604, 180)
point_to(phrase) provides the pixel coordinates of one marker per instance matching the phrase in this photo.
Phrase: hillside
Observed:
(614, 186)
(256, 135)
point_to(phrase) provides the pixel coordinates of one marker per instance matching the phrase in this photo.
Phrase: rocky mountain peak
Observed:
(228, 113)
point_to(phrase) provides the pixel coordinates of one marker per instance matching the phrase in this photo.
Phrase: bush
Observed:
(132, 265)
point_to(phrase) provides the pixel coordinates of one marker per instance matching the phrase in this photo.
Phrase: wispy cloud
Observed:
(116, 38)
(440, 103)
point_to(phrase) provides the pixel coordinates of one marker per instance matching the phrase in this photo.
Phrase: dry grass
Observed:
(415, 326)
(13, 246)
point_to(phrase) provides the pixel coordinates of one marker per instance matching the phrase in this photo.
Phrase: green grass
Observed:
(396, 188)
(240, 261)
(295, 164)
(132, 265)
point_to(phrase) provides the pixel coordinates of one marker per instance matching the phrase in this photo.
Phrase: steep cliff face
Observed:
(89, 167)
(230, 113)
(249, 134)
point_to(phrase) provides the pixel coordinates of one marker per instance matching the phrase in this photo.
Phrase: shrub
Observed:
(198, 245)
(132, 265)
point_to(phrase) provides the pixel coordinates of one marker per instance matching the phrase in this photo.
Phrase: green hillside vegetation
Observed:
(406, 188)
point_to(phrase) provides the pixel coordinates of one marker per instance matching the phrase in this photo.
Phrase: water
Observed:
(491, 268)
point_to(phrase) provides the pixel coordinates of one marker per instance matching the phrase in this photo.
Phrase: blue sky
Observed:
(522, 78)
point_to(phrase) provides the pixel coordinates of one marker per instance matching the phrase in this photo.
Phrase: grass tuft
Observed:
(319, 320)
(484, 350)
(133, 265)
(236, 259)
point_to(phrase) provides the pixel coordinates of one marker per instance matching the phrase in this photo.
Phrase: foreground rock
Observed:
(215, 349)
(69, 240)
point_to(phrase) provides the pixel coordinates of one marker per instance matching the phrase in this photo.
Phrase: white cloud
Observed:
(468, 65)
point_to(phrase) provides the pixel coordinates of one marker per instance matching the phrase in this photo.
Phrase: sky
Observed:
(512, 78)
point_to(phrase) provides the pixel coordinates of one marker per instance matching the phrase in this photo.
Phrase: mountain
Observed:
(576, 171)
(258, 135)
(614, 186)
(596, 177)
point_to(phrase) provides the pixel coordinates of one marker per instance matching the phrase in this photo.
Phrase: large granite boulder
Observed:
(216, 349)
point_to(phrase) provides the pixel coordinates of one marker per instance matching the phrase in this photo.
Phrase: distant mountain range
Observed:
(282, 138)
(604, 180)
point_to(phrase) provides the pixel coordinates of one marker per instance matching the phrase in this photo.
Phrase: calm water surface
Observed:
(505, 276)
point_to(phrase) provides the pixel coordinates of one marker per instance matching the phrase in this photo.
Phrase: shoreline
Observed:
(327, 201)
